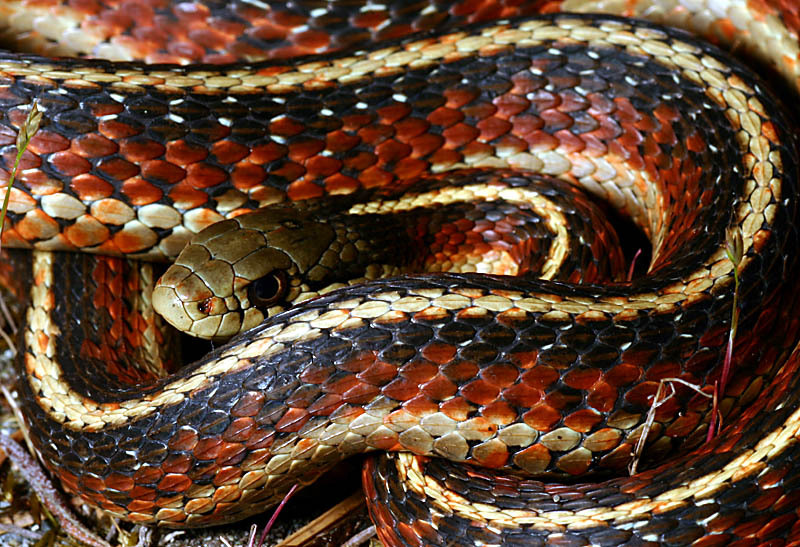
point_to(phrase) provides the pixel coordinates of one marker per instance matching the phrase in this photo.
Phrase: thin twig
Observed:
(277, 512)
(361, 537)
(19, 531)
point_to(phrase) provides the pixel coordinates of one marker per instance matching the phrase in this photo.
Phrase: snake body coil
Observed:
(515, 375)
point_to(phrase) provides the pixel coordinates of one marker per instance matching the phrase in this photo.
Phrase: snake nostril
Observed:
(205, 306)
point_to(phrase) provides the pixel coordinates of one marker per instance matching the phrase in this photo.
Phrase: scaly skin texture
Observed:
(239, 271)
(462, 366)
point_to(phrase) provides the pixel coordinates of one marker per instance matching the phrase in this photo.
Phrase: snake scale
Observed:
(517, 375)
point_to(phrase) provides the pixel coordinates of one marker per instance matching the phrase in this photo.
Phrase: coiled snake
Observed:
(515, 375)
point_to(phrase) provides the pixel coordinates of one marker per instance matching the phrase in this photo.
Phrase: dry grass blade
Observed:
(651, 415)
(26, 133)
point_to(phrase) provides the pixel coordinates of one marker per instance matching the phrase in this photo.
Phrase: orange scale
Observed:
(540, 377)
(267, 31)
(304, 149)
(285, 127)
(90, 187)
(92, 483)
(439, 352)
(368, 19)
(583, 420)
(239, 430)
(340, 184)
(582, 378)
(229, 152)
(438, 388)
(410, 168)
(360, 161)
(360, 394)
(421, 406)
(659, 371)
(642, 395)
(493, 128)
(479, 392)
(569, 142)
(175, 483)
(304, 189)
(36, 224)
(65, 161)
(499, 413)
(185, 51)
(522, 395)
(409, 128)
(769, 130)
(375, 177)
(177, 463)
(162, 171)
(183, 196)
(117, 168)
(393, 113)
(339, 385)
(456, 408)
(459, 97)
(137, 150)
(425, 144)
(11, 238)
(231, 454)
(292, 420)
(373, 134)
(324, 406)
(459, 135)
(141, 506)
(141, 192)
(210, 37)
(378, 373)
(401, 389)
(249, 404)
(38, 182)
(443, 158)
(128, 242)
(479, 111)
(93, 145)
(182, 153)
(541, 140)
(542, 417)
(626, 112)
(147, 475)
(445, 116)
(622, 375)
(204, 175)
(341, 141)
(290, 171)
(246, 175)
(86, 232)
(500, 375)
(117, 130)
(419, 371)
(322, 166)
(48, 142)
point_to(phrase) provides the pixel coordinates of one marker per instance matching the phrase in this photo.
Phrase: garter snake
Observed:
(347, 371)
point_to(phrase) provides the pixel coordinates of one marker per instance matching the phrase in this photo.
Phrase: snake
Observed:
(508, 376)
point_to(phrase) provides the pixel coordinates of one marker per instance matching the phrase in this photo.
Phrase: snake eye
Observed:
(269, 289)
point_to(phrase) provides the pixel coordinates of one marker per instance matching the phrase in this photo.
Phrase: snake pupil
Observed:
(269, 289)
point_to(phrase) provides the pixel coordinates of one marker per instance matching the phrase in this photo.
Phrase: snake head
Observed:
(237, 272)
